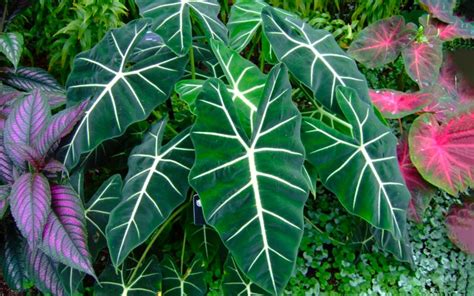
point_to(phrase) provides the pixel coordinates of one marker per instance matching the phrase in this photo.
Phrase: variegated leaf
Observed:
(155, 185)
(362, 170)
(122, 92)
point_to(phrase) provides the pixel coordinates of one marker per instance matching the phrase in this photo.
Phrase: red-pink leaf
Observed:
(423, 61)
(30, 202)
(395, 104)
(64, 235)
(381, 42)
(440, 9)
(460, 222)
(444, 155)
(458, 29)
(421, 191)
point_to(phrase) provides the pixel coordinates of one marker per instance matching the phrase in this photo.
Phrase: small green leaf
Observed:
(236, 283)
(187, 282)
(11, 45)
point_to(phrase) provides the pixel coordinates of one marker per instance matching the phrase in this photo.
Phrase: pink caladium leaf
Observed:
(25, 123)
(30, 202)
(421, 191)
(455, 82)
(42, 270)
(64, 235)
(423, 61)
(59, 126)
(444, 154)
(460, 222)
(395, 104)
(440, 9)
(381, 42)
(458, 29)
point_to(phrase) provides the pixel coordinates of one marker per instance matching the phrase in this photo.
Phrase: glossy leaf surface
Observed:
(361, 170)
(171, 20)
(121, 93)
(443, 154)
(261, 177)
(29, 79)
(313, 57)
(236, 283)
(155, 185)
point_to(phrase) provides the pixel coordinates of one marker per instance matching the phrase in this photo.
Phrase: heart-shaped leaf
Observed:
(440, 9)
(155, 185)
(460, 222)
(115, 282)
(29, 79)
(42, 270)
(185, 282)
(122, 92)
(64, 235)
(13, 266)
(171, 20)
(261, 177)
(25, 123)
(423, 61)
(236, 283)
(204, 240)
(11, 45)
(444, 154)
(381, 42)
(396, 104)
(313, 57)
(30, 202)
(421, 191)
(361, 170)
(457, 29)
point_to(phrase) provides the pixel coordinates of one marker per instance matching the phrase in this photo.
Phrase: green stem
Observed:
(153, 239)
(262, 55)
(335, 241)
(4, 16)
(191, 59)
(182, 251)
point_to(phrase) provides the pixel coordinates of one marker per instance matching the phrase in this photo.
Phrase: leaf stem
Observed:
(182, 250)
(191, 60)
(153, 239)
(4, 16)
(335, 241)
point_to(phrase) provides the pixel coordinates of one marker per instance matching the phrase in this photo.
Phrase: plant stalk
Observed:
(153, 239)
(191, 60)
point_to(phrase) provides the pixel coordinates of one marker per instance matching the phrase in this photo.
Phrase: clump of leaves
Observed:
(47, 211)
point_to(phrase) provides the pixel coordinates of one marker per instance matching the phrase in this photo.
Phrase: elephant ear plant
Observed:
(244, 149)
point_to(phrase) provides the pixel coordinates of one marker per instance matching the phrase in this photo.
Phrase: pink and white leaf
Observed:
(423, 61)
(395, 104)
(30, 202)
(381, 42)
(440, 9)
(64, 235)
(444, 154)
(460, 223)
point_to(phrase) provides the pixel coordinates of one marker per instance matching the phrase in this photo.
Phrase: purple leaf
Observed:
(6, 167)
(25, 123)
(29, 79)
(64, 236)
(28, 154)
(460, 222)
(43, 271)
(53, 167)
(30, 202)
(59, 126)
